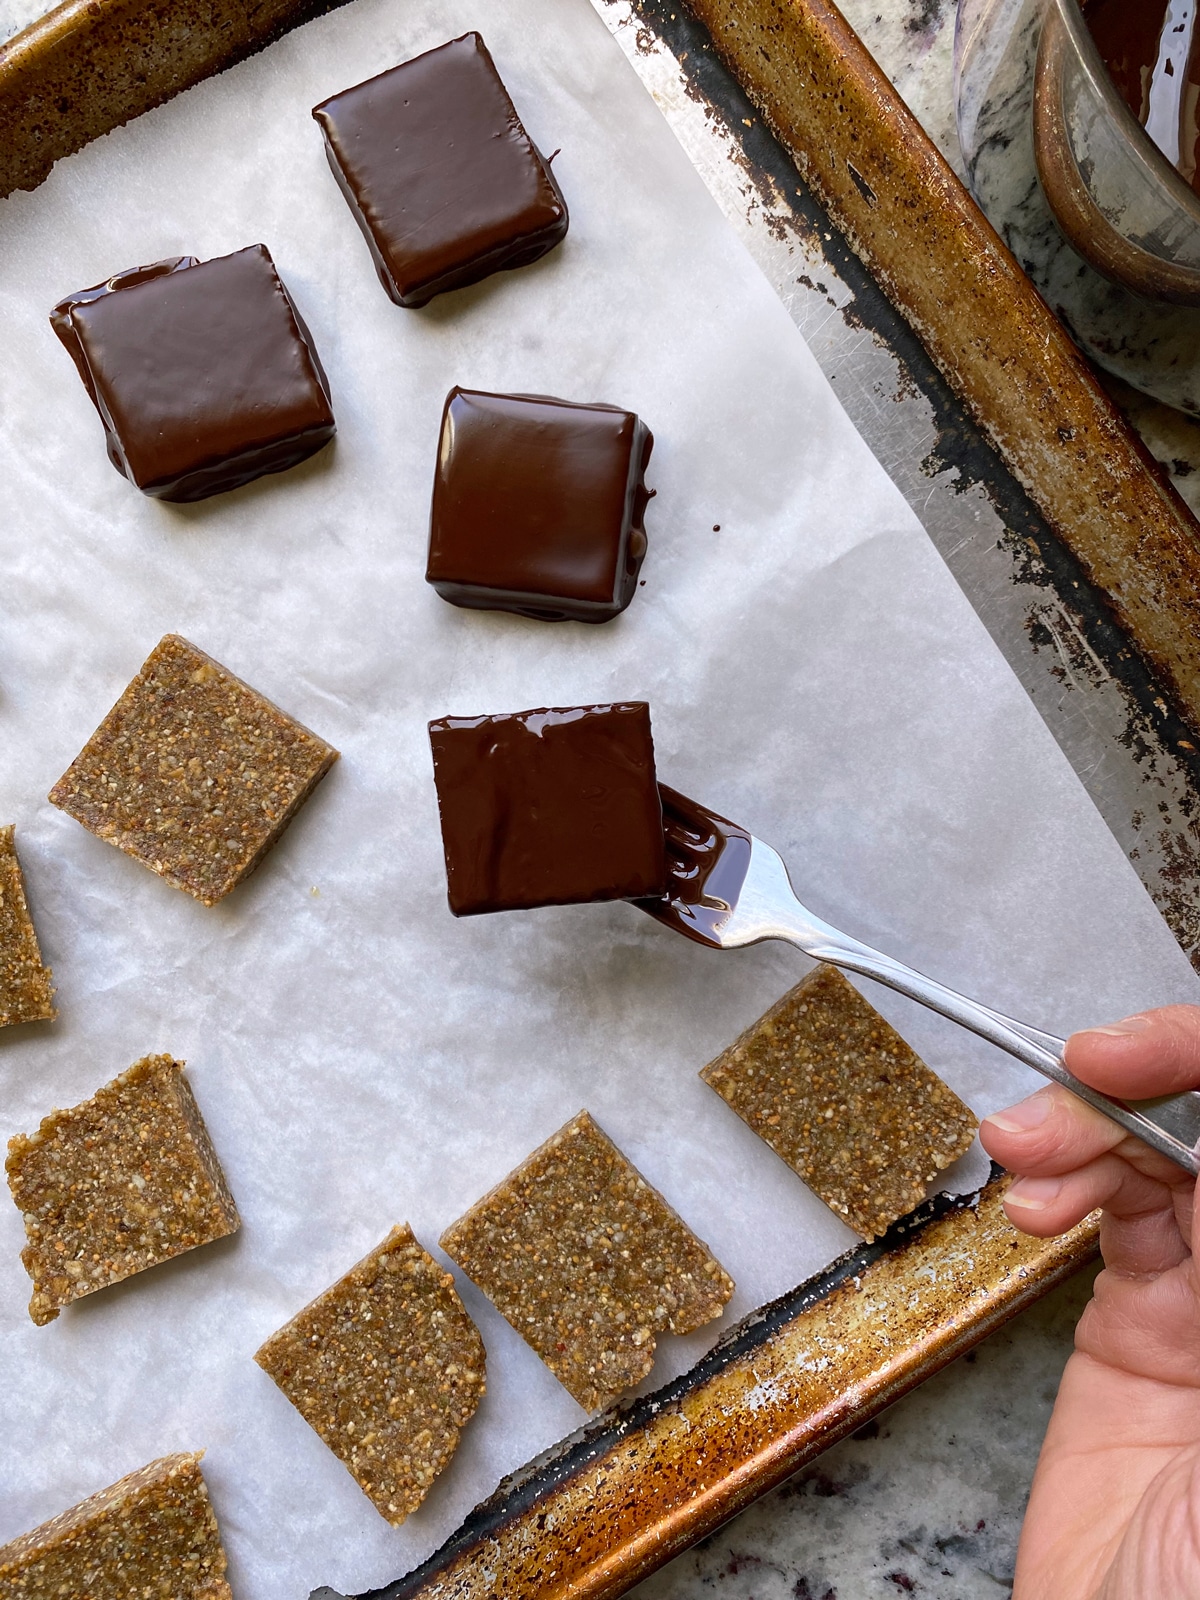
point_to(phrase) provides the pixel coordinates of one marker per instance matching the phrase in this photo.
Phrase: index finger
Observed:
(1154, 1052)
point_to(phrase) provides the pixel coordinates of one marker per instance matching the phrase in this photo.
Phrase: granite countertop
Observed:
(927, 1500)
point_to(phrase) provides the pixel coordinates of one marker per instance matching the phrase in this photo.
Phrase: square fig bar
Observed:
(193, 773)
(439, 174)
(549, 807)
(116, 1184)
(26, 990)
(837, 1093)
(203, 373)
(151, 1534)
(538, 506)
(388, 1368)
(588, 1262)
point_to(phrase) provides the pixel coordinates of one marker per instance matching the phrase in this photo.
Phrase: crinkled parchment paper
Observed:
(360, 1056)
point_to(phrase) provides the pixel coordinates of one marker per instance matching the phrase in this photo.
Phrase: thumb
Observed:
(1154, 1052)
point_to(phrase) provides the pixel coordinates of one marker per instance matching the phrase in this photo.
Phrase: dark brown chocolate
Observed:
(443, 180)
(203, 373)
(707, 861)
(548, 807)
(538, 506)
(1129, 34)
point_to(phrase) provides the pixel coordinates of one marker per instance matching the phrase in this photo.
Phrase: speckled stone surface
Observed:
(925, 1501)
(18, 14)
(1154, 347)
(913, 41)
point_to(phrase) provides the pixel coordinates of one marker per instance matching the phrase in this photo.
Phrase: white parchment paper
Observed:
(361, 1057)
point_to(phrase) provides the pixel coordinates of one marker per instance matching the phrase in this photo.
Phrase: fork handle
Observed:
(1169, 1124)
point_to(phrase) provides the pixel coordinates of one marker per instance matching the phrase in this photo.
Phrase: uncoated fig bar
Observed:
(26, 990)
(838, 1094)
(153, 1534)
(387, 1367)
(192, 772)
(117, 1184)
(588, 1262)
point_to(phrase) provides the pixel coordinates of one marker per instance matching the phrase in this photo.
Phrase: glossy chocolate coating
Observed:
(203, 373)
(441, 177)
(708, 858)
(538, 506)
(548, 807)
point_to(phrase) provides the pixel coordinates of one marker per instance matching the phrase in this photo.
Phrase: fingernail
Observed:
(1025, 1114)
(1118, 1030)
(1034, 1194)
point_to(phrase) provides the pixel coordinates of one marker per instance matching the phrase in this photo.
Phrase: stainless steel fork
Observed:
(727, 888)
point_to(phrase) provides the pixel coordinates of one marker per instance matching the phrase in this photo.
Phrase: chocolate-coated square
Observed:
(443, 180)
(203, 373)
(548, 807)
(538, 506)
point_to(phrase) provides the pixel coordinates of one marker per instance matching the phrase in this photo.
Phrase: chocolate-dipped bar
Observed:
(443, 180)
(203, 373)
(548, 807)
(538, 506)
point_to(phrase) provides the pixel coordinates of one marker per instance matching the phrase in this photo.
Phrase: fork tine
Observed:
(707, 859)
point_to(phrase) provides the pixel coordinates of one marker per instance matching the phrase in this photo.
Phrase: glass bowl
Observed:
(1116, 196)
(1098, 217)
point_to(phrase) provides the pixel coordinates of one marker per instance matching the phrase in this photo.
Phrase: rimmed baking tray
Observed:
(626, 1494)
(637, 1486)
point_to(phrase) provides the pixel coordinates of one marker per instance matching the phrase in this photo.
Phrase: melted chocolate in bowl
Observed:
(1150, 50)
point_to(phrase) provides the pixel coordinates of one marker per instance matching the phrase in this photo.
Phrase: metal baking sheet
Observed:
(308, 1019)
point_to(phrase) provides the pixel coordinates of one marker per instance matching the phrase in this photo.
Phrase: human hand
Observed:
(1115, 1509)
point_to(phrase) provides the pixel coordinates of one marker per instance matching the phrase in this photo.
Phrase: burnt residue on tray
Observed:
(1064, 611)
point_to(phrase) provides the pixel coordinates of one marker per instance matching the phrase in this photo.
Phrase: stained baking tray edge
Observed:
(893, 196)
(644, 1482)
